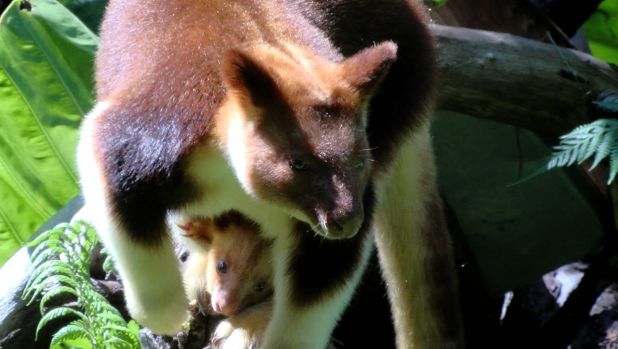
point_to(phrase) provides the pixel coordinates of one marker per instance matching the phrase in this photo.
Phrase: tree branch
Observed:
(519, 81)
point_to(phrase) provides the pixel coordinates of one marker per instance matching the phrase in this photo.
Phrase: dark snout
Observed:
(341, 212)
(344, 226)
(337, 224)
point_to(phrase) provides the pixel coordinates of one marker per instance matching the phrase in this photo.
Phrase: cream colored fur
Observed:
(244, 331)
(401, 236)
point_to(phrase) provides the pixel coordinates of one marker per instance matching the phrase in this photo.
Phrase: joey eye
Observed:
(222, 266)
(260, 286)
(360, 164)
(298, 165)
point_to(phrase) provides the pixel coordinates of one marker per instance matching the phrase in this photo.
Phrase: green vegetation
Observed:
(60, 266)
(598, 138)
(602, 31)
(46, 57)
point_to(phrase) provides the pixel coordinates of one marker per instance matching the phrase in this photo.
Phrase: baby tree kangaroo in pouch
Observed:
(310, 117)
(229, 272)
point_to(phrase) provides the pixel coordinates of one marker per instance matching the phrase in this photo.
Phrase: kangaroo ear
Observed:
(366, 69)
(245, 75)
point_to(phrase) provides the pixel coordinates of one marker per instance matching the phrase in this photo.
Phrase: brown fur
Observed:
(305, 108)
(305, 102)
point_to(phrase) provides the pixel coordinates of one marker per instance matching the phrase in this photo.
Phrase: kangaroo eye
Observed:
(222, 266)
(260, 286)
(298, 165)
(359, 164)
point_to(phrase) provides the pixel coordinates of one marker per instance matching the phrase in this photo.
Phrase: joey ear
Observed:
(366, 69)
(245, 75)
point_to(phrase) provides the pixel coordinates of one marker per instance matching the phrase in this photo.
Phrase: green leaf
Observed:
(134, 327)
(46, 60)
(119, 343)
(599, 138)
(57, 313)
(613, 162)
(608, 101)
(89, 11)
(70, 332)
(111, 316)
(118, 329)
(53, 293)
(45, 252)
(601, 30)
(79, 343)
(36, 289)
(49, 268)
(46, 236)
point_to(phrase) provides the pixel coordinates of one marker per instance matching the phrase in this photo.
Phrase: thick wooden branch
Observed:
(527, 83)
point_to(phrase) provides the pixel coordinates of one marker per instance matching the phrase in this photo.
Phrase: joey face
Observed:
(239, 270)
(300, 131)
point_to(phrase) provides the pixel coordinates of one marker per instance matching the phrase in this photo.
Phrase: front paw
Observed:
(163, 313)
(227, 336)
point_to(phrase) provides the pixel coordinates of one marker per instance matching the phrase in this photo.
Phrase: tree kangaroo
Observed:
(310, 117)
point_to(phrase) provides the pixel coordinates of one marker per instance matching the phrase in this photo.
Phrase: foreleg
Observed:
(149, 272)
(415, 250)
(314, 281)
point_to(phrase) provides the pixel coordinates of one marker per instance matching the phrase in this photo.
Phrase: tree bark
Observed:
(523, 82)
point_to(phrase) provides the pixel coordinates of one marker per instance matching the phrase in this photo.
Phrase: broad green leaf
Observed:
(89, 11)
(602, 31)
(46, 57)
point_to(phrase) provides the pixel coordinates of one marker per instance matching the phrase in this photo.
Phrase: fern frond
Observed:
(35, 290)
(71, 331)
(108, 263)
(47, 268)
(118, 329)
(608, 102)
(603, 149)
(55, 292)
(598, 138)
(119, 343)
(60, 265)
(613, 162)
(45, 237)
(43, 253)
(57, 313)
(111, 315)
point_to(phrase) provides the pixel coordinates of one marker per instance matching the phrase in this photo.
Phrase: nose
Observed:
(343, 226)
(225, 304)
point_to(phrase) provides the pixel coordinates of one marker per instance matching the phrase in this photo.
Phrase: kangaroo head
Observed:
(294, 128)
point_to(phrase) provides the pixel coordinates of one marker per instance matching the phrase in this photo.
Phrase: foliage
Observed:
(435, 3)
(46, 56)
(60, 266)
(602, 31)
(89, 11)
(598, 138)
